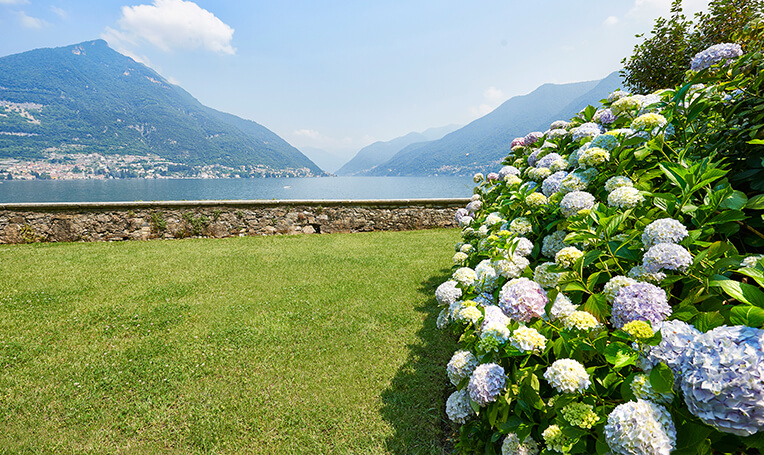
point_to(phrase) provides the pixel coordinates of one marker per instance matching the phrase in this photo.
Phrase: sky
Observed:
(340, 75)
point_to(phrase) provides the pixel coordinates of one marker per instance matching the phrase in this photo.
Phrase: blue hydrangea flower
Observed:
(508, 170)
(461, 365)
(640, 301)
(458, 407)
(547, 160)
(551, 184)
(676, 336)
(664, 230)
(605, 141)
(586, 130)
(723, 379)
(575, 201)
(640, 427)
(715, 54)
(486, 383)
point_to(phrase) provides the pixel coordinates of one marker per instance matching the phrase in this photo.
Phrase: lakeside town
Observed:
(83, 166)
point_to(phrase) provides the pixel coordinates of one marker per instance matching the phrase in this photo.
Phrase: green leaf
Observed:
(675, 173)
(619, 354)
(756, 202)
(727, 216)
(736, 201)
(749, 315)
(662, 378)
(573, 286)
(756, 274)
(742, 292)
(706, 321)
(756, 142)
(597, 305)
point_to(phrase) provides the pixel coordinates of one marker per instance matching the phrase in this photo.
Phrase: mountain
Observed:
(87, 98)
(379, 152)
(481, 145)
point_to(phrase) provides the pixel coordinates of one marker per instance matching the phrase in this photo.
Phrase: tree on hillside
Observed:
(662, 59)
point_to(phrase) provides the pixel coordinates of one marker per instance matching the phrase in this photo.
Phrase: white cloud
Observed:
(610, 21)
(172, 24)
(492, 97)
(493, 94)
(59, 12)
(31, 22)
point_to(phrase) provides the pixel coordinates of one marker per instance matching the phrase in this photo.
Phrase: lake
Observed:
(12, 191)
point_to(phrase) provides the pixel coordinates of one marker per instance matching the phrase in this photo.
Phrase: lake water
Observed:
(208, 189)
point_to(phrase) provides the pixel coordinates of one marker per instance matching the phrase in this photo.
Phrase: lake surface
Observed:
(208, 189)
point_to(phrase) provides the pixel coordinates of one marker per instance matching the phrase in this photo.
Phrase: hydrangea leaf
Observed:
(620, 355)
(747, 315)
(736, 201)
(706, 321)
(662, 378)
(756, 202)
(756, 274)
(742, 292)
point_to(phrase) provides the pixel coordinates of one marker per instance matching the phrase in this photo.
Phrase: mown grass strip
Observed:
(300, 344)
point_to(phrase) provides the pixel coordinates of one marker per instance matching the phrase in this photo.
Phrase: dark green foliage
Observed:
(661, 60)
(95, 100)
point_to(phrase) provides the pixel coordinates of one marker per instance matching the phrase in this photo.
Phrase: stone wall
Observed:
(70, 222)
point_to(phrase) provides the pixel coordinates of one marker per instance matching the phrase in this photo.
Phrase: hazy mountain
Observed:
(481, 145)
(88, 98)
(379, 152)
(327, 161)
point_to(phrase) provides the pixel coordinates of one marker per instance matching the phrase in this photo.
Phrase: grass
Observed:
(321, 344)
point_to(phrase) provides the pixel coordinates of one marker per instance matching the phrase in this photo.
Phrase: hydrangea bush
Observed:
(607, 293)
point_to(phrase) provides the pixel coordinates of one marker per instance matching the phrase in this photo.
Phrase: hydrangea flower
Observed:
(512, 446)
(617, 182)
(477, 178)
(604, 117)
(521, 226)
(547, 160)
(559, 124)
(494, 314)
(528, 339)
(460, 258)
(593, 157)
(511, 267)
(617, 95)
(556, 133)
(567, 376)
(643, 389)
(465, 276)
(466, 248)
(469, 314)
(715, 54)
(676, 336)
(460, 213)
(474, 206)
(508, 170)
(614, 285)
(460, 366)
(638, 329)
(640, 427)
(513, 180)
(483, 231)
(640, 301)
(492, 176)
(544, 277)
(751, 261)
(723, 379)
(580, 415)
(586, 130)
(538, 174)
(664, 230)
(577, 180)
(667, 256)
(465, 221)
(559, 165)
(561, 308)
(517, 142)
(553, 243)
(458, 407)
(626, 105)
(532, 138)
(574, 202)
(625, 197)
(486, 383)
(531, 160)
(555, 439)
(447, 293)
(639, 273)
(484, 299)
(493, 219)
(567, 256)
(522, 299)
(551, 184)
(521, 246)
(581, 320)
(648, 122)
(605, 141)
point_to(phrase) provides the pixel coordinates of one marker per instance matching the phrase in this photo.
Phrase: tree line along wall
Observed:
(112, 221)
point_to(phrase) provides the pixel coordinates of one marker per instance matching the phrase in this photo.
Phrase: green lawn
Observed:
(320, 344)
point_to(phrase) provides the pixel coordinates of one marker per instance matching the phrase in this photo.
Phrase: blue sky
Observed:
(339, 75)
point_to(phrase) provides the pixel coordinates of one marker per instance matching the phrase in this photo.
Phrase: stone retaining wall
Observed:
(70, 222)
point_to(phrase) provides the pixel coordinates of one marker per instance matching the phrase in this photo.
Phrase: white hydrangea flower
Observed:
(528, 339)
(521, 226)
(458, 407)
(553, 243)
(465, 276)
(567, 376)
(576, 201)
(465, 221)
(493, 219)
(460, 366)
(581, 320)
(466, 248)
(544, 277)
(567, 256)
(562, 307)
(617, 181)
(664, 230)
(625, 197)
(460, 258)
(512, 446)
(447, 293)
(511, 267)
(751, 261)
(470, 313)
(640, 427)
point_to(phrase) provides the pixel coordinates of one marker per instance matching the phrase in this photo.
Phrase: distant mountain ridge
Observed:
(88, 98)
(481, 145)
(380, 152)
